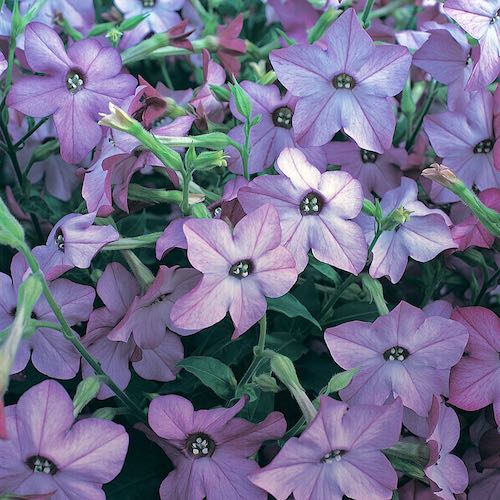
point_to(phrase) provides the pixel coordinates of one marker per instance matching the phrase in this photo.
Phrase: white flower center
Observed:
(282, 117)
(41, 464)
(396, 353)
(343, 81)
(485, 146)
(74, 82)
(241, 269)
(332, 456)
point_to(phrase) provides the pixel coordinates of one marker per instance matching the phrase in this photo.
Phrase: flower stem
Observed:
(262, 336)
(366, 12)
(31, 131)
(70, 335)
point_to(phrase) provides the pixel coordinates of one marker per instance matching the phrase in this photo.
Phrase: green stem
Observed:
(428, 103)
(388, 9)
(30, 132)
(335, 297)
(366, 13)
(146, 240)
(245, 155)
(262, 336)
(187, 178)
(70, 335)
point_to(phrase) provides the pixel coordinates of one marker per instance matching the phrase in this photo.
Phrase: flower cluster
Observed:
(257, 242)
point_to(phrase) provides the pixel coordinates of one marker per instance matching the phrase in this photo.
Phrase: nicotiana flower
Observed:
(465, 140)
(470, 232)
(209, 448)
(349, 86)
(73, 242)
(417, 232)
(446, 472)
(59, 178)
(315, 210)
(148, 318)
(377, 173)
(240, 269)
(475, 381)
(117, 288)
(77, 84)
(228, 208)
(272, 134)
(338, 454)
(49, 351)
(481, 19)
(229, 46)
(405, 353)
(445, 55)
(162, 15)
(483, 483)
(48, 452)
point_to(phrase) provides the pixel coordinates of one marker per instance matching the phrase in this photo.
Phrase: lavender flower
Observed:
(475, 381)
(404, 353)
(49, 351)
(338, 454)
(481, 19)
(240, 269)
(77, 85)
(349, 86)
(209, 448)
(465, 141)
(274, 132)
(117, 288)
(73, 242)
(417, 232)
(48, 453)
(314, 209)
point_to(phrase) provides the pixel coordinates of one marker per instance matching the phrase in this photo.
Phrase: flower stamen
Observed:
(41, 464)
(343, 81)
(241, 269)
(282, 117)
(74, 82)
(485, 146)
(200, 445)
(311, 204)
(396, 353)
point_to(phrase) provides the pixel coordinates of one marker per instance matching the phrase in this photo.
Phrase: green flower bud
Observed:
(323, 23)
(86, 391)
(11, 232)
(222, 94)
(266, 383)
(210, 159)
(241, 99)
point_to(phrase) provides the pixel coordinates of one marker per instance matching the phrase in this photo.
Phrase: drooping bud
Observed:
(86, 391)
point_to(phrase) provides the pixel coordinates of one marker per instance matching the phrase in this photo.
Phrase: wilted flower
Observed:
(338, 454)
(404, 353)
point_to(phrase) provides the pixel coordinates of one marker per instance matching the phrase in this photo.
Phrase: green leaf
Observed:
(292, 308)
(212, 373)
(325, 270)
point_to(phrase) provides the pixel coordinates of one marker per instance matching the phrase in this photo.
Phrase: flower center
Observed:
(148, 3)
(343, 81)
(485, 146)
(241, 269)
(160, 299)
(496, 17)
(74, 82)
(311, 204)
(332, 456)
(282, 117)
(200, 445)
(396, 353)
(60, 240)
(368, 156)
(41, 464)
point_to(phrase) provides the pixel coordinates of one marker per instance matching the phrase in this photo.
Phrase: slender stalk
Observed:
(428, 103)
(146, 240)
(262, 335)
(388, 9)
(188, 177)
(70, 335)
(30, 132)
(366, 13)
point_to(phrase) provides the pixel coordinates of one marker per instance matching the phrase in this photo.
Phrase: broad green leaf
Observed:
(212, 373)
(292, 308)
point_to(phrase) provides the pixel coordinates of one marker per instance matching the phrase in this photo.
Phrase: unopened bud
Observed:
(323, 23)
(266, 383)
(222, 94)
(210, 159)
(86, 391)
(241, 99)
(11, 232)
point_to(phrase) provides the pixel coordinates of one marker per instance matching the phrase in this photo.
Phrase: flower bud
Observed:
(222, 94)
(339, 381)
(442, 175)
(200, 211)
(375, 291)
(241, 99)
(106, 413)
(86, 391)
(11, 232)
(132, 22)
(397, 217)
(266, 383)
(210, 159)
(323, 23)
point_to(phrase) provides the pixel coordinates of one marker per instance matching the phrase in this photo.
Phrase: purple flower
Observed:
(480, 19)
(447, 473)
(465, 141)
(48, 452)
(483, 482)
(162, 15)
(209, 448)
(475, 381)
(240, 269)
(273, 134)
(76, 86)
(404, 353)
(148, 317)
(73, 242)
(417, 232)
(117, 288)
(50, 352)
(347, 87)
(377, 173)
(338, 454)
(314, 209)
